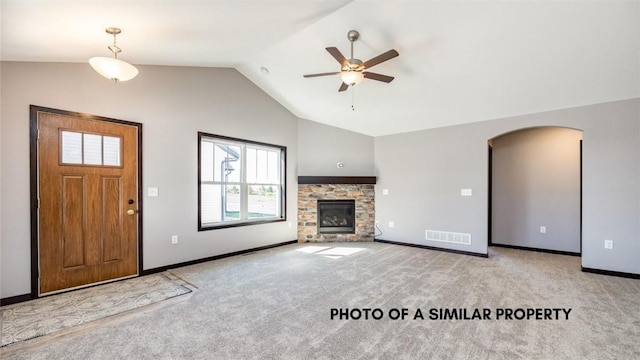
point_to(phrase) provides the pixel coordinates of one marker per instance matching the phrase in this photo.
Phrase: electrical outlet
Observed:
(392, 224)
(608, 244)
(543, 229)
(174, 239)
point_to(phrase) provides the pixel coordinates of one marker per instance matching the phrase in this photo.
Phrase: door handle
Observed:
(131, 212)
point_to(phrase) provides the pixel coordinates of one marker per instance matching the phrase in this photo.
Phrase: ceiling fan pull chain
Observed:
(353, 96)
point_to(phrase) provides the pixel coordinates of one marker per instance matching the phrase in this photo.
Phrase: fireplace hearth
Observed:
(336, 216)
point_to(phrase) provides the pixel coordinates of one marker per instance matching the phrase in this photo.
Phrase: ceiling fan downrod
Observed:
(353, 35)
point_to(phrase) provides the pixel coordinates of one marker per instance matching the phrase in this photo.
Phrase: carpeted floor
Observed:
(277, 304)
(32, 319)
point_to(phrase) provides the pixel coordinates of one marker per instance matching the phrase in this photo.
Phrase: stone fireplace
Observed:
(332, 209)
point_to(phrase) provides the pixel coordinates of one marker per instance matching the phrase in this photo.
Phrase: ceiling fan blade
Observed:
(380, 58)
(379, 77)
(322, 74)
(338, 56)
(343, 87)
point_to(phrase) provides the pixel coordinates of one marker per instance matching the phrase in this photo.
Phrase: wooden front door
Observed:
(88, 200)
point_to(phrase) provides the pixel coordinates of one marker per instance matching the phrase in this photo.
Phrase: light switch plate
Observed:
(608, 244)
(385, 191)
(152, 191)
(465, 192)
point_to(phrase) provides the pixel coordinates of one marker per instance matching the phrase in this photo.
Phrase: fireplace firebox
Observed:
(336, 216)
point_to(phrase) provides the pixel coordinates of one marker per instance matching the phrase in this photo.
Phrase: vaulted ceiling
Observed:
(460, 62)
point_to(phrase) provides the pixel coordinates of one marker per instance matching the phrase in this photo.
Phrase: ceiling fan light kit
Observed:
(351, 77)
(352, 70)
(113, 68)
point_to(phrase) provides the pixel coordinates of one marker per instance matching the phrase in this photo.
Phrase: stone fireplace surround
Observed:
(314, 188)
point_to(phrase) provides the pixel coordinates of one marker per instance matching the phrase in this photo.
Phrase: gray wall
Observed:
(173, 103)
(1, 267)
(322, 147)
(536, 182)
(425, 170)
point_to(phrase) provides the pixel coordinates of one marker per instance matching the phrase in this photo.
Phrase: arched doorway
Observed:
(535, 190)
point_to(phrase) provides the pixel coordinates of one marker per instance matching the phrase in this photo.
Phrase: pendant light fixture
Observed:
(113, 68)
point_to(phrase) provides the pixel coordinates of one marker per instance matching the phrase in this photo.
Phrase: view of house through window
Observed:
(241, 182)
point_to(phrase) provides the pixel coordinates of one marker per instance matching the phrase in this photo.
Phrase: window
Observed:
(240, 182)
(80, 148)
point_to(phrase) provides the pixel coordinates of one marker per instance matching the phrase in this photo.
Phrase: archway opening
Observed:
(535, 195)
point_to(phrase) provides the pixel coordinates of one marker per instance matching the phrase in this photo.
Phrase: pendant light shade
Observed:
(113, 68)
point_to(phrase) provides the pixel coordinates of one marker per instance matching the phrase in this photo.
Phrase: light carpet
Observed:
(276, 304)
(50, 314)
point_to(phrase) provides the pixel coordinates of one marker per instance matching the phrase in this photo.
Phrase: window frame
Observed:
(244, 185)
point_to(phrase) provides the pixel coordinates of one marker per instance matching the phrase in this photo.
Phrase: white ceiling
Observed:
(459, 62)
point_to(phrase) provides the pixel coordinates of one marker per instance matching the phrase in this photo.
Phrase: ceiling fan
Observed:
(354, 70)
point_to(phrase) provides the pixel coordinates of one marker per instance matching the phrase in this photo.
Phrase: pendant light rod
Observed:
(114, 48)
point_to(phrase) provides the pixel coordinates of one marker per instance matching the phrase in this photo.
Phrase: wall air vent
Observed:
(449, 237)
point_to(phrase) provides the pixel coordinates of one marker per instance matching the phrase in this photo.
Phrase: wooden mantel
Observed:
(336, 179)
